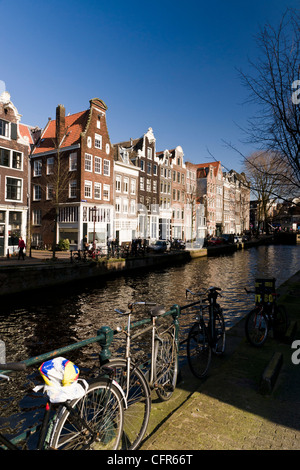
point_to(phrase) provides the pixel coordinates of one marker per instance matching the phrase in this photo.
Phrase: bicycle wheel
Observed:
(198, 350)
(136, 416)
(256, 327)
(280, 321)
(100, 428)
(165, 365)
(219, 347)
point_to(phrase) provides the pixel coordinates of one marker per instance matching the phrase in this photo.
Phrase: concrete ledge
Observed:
(270, 374)
(290, 333)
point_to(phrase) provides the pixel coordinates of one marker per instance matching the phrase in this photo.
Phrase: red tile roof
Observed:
(25, 133)
(75, 123)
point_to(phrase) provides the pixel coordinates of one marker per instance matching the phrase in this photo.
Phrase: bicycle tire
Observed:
(137, 414)
(198, 350)
(102, 409)
(280, 323)
(165, 365)
(256, 327)
(220, 343)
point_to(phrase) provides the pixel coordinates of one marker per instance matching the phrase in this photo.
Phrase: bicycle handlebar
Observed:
(13, 366)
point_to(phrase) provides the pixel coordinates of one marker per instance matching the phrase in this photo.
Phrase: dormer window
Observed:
(125, 156)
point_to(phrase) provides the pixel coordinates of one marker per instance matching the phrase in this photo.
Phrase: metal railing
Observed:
(104, 337)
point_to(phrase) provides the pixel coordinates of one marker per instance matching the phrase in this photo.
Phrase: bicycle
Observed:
(161, 376)
(92, 421)
(266, 315)
(205, 338)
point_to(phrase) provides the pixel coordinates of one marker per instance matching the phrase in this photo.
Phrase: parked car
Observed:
(214, 241)
(159, 246)
(227, 237)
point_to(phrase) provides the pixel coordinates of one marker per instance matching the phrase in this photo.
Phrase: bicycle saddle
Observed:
(157, 311)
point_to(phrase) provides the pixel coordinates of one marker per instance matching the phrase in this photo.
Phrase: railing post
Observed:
(107, 336)
(176, 310)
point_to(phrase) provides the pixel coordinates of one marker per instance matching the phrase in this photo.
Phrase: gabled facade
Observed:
(178, 194)
(15, 140)
(210, 193)
(126, 182)
(72, 179)
(141, 153)
(164, 161)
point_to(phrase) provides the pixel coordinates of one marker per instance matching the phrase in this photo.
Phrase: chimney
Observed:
(60, 122)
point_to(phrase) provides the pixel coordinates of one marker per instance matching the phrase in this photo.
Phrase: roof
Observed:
(216, 166)
(75, 125)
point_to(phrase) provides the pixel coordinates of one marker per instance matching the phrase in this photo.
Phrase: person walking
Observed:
(21, 248)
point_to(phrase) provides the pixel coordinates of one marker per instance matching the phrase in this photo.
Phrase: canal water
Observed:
(43, 321)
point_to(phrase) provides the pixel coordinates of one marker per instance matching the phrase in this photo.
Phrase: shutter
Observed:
(13, 131)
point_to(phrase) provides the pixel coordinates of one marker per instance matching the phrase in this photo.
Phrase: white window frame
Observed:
(37, 192)
(20, 189)
(106, 188)
(72, 188)
(98, 141)
(97, 186)
(106, 167)
(50, 166)
(36, 217)
(88, 162)
(37, 168)
(118, 183)
(97, 165)
(73, 161)
(88, 189)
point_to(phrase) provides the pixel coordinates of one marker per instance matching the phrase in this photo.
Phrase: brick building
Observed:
(72, 179)
(15, 140)
(178, 193)
(164, 161)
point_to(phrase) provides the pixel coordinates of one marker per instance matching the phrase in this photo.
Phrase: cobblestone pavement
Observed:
(228, 411)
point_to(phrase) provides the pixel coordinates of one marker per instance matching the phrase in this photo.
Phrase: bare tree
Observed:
(273, 87)
(265, 179)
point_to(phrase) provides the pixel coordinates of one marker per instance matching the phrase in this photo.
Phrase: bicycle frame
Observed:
(129, 337)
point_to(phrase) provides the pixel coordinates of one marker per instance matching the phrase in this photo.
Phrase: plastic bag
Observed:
(61, 380)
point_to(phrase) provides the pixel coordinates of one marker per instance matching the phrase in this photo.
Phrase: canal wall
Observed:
(17, 279)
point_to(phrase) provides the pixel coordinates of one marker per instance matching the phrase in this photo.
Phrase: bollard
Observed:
(107, 333)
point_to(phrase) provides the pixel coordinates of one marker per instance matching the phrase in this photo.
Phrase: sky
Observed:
(169, 65)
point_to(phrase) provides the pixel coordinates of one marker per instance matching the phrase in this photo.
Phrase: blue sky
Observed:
(164, 64)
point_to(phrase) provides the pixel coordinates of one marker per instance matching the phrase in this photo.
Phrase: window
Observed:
(97, 190)
(88, 189)
(36, 217)
(106, 192)
(106, 167)
(37, 168)
(49, 191)
(154, 169)
(132, 186)
(132, 206)
(4, 157)
(118, 205)
(4, 128)
(50, 165)
(73, 161)
(97, 161)
(98, 141)
(125, 206)
(154, 186)
(148, 184)
(72, 189)
(14, 189)
(37, 192)
(142, 183)
(149, 168)
(142, 165)
(118, 184)
(126, 184)
(88, 162)
(17, 160)
(149, 152)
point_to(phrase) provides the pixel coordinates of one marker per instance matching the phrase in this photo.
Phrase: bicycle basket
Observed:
(264, 288)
